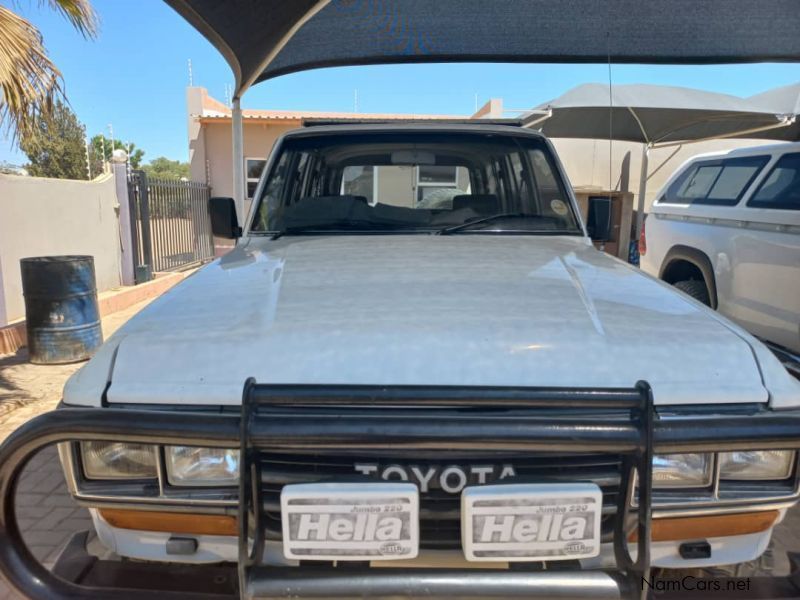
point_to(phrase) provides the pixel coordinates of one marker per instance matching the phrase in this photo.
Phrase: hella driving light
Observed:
(682, 470)
(115, 460)
(202, 466)
(757, 464)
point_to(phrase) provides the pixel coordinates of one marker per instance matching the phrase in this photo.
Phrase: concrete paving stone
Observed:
(782, 534)
(32, 469)
(53, 466)
(76, 526)
(52, 482)
(41, 460)
(26, 524)
(52, 521)
(78, 521)
(28, 511)
(48, 539)
(51, 559)
(38, 462)
(63, 500)
(29, 500)
(11, 595)
(6, 593)
(31, 476)
(40, 552)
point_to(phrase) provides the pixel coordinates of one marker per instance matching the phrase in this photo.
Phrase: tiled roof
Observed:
(214, 110)
(296, 115)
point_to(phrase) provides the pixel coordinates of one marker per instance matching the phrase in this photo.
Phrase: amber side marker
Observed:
(170, 522)
(692, 528)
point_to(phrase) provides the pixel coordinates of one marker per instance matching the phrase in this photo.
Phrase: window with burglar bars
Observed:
(170, 222)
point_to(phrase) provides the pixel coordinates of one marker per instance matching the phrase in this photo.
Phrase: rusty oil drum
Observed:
(63, 319)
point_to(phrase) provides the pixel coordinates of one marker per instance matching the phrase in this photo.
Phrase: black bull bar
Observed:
(387, 419)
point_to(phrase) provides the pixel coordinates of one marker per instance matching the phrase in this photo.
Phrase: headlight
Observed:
(759, 464)
(114, 460)
(202, 466)
(682, 470)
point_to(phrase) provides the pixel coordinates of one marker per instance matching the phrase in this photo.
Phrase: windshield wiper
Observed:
(468, 224)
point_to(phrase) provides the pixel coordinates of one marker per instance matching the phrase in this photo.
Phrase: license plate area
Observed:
(350, 521)
(531, 522)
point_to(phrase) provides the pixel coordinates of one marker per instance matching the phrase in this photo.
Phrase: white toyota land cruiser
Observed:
(414, 357)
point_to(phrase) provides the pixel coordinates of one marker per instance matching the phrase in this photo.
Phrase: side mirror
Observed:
(224, 222)
(598, 222)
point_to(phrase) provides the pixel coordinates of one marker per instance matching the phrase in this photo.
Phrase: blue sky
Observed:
(135, 73)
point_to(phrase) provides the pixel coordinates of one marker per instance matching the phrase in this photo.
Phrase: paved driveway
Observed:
(47, 514)
(28, 390)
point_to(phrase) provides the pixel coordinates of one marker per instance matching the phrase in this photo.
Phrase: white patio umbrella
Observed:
(783, 100)
(657, 116)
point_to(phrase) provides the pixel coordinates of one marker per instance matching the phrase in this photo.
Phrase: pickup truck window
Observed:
(718, 182)
(409, 182)
(781, 188)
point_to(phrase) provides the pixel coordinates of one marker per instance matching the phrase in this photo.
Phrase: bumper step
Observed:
(389, 584)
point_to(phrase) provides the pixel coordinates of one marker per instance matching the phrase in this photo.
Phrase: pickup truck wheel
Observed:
(694, 288)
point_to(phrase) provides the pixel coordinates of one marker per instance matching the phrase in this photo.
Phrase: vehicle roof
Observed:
(779, 148)
(348, 128)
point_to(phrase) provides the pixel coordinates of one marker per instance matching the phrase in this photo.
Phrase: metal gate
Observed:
(170, 224)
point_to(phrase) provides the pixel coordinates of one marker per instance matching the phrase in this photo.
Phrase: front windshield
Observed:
(414, 183)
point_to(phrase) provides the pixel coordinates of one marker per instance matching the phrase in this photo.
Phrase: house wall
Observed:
(197, 138)
(218, 168)
(42, 217)
(396, 185)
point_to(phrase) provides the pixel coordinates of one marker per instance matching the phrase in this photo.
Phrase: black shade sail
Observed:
(266, 38)
(659, 114)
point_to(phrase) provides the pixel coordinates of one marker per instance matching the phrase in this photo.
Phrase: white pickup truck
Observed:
(725, 229)
(414, 357)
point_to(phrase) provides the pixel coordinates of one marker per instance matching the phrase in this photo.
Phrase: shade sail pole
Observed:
(642, 190)
(243, 83)
(642, 175)
(238, 159)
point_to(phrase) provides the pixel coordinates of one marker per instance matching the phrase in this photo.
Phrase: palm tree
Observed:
(29, 81)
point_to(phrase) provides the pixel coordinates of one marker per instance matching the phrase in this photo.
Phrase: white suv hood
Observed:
(426, 310)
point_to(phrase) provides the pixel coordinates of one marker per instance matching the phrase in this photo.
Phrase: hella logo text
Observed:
(526, 528)
(359, 527)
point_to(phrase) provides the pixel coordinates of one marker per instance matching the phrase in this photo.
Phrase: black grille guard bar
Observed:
(281, 417)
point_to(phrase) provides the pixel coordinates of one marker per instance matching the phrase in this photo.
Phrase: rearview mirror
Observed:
(224, 222)
(598, 222)
(413, 157)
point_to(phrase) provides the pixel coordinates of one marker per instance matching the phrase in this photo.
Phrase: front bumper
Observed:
(324, 419)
